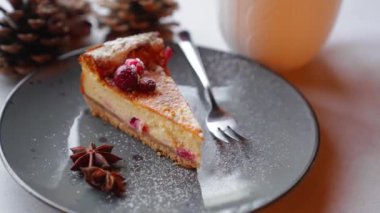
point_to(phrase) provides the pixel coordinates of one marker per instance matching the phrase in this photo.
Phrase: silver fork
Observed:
(219, 122)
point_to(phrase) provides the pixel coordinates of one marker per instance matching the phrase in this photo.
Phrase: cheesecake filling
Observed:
(185, 154)
(139, 126)
(185, 145)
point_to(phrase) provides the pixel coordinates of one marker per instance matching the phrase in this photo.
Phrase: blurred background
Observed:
(341, 81)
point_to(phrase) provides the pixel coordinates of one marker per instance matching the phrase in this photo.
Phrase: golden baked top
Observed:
(105, 58)
(166, 100)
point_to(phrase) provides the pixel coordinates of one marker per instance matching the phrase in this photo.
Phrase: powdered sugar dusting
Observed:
(234, 177)
(110, 48)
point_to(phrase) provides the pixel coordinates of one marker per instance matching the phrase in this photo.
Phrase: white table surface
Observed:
(342, 84)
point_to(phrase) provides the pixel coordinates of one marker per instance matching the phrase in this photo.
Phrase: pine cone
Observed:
(127, 17)
(33, 32)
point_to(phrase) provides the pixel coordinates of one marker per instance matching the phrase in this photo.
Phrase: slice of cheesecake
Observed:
(126, 83)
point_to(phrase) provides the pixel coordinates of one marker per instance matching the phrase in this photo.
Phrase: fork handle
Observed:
(193, 56)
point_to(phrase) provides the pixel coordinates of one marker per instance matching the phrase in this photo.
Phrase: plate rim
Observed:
(317, 138)
(264, 203)
(9, 169)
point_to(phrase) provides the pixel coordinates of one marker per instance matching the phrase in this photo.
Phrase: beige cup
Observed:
(281, 34)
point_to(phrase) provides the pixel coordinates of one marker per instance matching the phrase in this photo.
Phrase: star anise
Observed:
(95, 156)
(104, 180)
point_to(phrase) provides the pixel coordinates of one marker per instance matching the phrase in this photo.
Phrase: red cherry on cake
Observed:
(147, 85)
(136, 64)
(126, 78)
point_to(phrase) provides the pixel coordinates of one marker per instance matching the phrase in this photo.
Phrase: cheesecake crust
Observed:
(161, 149)
(165, 104)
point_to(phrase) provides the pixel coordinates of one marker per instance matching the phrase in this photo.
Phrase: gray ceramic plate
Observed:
(46, 115)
